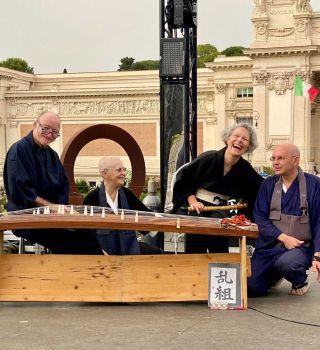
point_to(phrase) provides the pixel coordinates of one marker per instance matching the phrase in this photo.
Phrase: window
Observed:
(245, 92)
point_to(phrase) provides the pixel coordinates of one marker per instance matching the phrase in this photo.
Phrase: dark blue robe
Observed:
(290, 204)
(268, 248)
(117, 242)
(31, 171)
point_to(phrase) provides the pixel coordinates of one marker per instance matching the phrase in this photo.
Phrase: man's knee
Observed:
(290, 263)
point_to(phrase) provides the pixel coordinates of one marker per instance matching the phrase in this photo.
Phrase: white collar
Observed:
(113, 205)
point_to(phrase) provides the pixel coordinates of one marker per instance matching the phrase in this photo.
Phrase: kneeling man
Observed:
(287, 213)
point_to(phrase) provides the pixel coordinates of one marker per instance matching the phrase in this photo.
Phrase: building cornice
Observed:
(276, 51)
(36, 94)
(234, 62)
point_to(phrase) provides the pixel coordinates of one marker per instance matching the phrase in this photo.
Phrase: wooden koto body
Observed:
(139, 278)
(150, 222)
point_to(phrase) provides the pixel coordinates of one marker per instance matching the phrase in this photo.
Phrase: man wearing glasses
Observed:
(287, 212)
(112, 194)
(34, 177)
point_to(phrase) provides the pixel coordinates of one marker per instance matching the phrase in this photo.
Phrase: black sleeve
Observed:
(92, 198)
(192, 176)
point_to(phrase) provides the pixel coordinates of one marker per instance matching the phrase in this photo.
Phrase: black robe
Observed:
(206, 171)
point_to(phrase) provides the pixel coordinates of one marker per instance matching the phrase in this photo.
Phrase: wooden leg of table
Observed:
(243, 256)
(1, 241)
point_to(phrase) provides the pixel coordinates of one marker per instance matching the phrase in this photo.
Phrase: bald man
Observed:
(287, 212)
(34, 177)
(114, 195)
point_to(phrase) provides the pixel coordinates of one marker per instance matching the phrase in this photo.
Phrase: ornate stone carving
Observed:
(261, 27)
(301, 24)
(231, 104)
(280, 82)
(316, 27)
(280, 32)
(206, 105)
(213, 120)
(220, 88)
(304, 75)
(259, 78)
(86, 108)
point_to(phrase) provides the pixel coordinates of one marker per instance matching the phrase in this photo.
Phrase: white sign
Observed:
(224, 286)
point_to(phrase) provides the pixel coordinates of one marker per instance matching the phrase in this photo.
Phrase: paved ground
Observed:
(278, 321)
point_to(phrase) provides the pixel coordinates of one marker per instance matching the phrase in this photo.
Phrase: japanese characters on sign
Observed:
(224, 286)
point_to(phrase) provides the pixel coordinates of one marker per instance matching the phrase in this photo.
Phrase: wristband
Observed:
(316, 258)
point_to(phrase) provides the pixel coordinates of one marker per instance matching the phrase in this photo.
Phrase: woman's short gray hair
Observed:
(253, 141)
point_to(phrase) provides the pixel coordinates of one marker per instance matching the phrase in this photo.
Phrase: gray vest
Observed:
(295, 226)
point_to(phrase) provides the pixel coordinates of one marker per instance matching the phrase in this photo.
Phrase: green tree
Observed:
(145, 65)
(82, 186)
(233, 51)
(16, 63)
(206, 53)
(126, 63)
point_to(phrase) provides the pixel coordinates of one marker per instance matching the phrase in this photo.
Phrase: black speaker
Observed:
(172, 57)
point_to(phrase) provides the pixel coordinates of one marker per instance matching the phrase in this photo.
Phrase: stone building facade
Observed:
(258, 87)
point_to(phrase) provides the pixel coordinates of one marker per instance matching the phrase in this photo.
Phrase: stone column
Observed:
(220, 109)
(259, 108)
(4, 85)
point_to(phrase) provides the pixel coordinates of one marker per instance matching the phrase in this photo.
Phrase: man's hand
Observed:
(194, 204)
(289, 242)
(316, 266)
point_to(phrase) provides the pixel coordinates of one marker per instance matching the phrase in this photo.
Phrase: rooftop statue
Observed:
(303, 6)
(260, 7)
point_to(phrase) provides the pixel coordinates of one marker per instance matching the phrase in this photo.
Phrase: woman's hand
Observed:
(194, 204)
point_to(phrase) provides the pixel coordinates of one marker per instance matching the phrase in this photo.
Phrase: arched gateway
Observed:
(103, 131)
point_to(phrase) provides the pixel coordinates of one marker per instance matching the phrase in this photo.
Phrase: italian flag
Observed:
(301, 88)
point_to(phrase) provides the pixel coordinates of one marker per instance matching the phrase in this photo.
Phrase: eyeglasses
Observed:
(45, 131)
(118, 170)
(280, 159)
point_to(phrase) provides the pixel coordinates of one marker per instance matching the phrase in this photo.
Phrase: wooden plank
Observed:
(243, 271)
(169, 277)
(83, 278)
(51, 277)
(1, 241)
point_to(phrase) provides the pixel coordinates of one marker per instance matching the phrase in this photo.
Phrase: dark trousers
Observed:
(267, 270)
(197, 244)
(149, 249)
(64, 241)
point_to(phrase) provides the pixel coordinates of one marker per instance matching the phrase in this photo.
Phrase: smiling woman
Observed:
(216, 178)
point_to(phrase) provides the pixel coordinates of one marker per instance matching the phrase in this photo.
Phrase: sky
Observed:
(93, 35)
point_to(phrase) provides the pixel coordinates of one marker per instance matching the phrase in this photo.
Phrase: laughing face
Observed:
(238, 142)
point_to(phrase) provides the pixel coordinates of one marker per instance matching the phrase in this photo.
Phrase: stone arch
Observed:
(110, 132)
